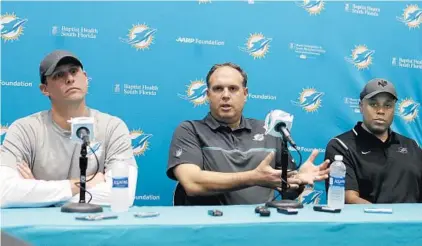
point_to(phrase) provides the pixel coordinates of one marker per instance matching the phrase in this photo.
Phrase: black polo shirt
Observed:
(216, 147)
(382, 172)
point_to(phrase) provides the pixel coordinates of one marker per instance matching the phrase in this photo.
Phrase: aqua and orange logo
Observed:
(3, 131)
(361, 57)
(309, 100)
(412, 16)
(313, 7)
(310, 196)
(196, 93)
(257, 45)
(140, 142)
(140, 36)
(11, 27)
(408, 109)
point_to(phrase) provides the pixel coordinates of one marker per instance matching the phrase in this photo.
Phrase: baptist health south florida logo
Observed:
(11, 27)
(257, 45)
(412, 16)
(361, 57)
(196, 93)
(408, 109)
(140, 36)
(309, 99)
(140, 142)
(311, 6)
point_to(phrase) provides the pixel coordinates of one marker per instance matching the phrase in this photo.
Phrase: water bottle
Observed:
(336, 190)
(120, 186)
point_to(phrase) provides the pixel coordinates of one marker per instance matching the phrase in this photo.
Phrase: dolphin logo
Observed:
(310, 99)
(140, 140)
(410, 109)
(140, 36)
(197, 93)
(257, 45)
(310, 4)
(411, 16)
(311, 197)
(361, 57)
(93, 148)
(12, 26)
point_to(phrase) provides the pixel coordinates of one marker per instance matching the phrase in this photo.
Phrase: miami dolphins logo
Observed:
(408, 110)
(361, 57)
(257, 45)
(309, 100)
(196, 93)
(412, 16)
(312, 7)
(140, 142)
(3, 131)
(94, 147)
(310, 196)
(11, 27)
(140, 36)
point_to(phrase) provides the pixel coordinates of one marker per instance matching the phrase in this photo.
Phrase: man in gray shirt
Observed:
(40, 163)
(226, 158)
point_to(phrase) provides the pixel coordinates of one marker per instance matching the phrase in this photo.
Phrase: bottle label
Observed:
(337, 181)
(121, 182)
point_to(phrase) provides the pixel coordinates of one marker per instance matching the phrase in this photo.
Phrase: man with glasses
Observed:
(40, 163)
(382, 166)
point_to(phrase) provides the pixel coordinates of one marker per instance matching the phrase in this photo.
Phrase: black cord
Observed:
(285, 181)
(98, 168)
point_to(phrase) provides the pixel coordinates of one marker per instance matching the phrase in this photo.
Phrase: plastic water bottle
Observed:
(336, 190)
(120, 186)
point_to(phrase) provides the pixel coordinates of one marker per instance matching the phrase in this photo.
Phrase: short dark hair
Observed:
(228, 64)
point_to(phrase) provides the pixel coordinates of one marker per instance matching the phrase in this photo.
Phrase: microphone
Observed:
(278, 124)
(82, 129)
(83, 133)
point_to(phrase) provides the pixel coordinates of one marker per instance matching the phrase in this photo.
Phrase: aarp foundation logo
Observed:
(140, 142)
(257, 45)
(311, 6)
(408, 109)
(196, 93)
(140, 36)
(11, 27)
(3, 131)
(361, 57)
(309, 100)
(412, 16)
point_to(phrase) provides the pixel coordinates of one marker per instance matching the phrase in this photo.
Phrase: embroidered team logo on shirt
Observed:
(258, 137)
(402, 150)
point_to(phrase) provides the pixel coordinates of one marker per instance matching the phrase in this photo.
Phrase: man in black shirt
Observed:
(382, 166)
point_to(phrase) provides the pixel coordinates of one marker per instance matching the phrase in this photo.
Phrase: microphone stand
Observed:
(284, 202)
(82, 206)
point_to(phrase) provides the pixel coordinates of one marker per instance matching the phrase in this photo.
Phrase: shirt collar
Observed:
(214, 124)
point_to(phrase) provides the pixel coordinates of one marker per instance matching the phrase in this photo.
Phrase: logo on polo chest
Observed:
(402, 150)
(258, 137)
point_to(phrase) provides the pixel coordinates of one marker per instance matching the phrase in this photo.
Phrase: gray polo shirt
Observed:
(51, 155)
(216, 147)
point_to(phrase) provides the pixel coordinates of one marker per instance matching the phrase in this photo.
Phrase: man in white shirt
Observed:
(40, 163)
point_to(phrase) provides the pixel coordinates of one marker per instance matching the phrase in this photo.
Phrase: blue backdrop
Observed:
(147, 60)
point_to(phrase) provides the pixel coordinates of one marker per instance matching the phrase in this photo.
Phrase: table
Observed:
(238, 226)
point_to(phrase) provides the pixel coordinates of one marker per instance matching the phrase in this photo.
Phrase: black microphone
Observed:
(281, 128)
(83, 133)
